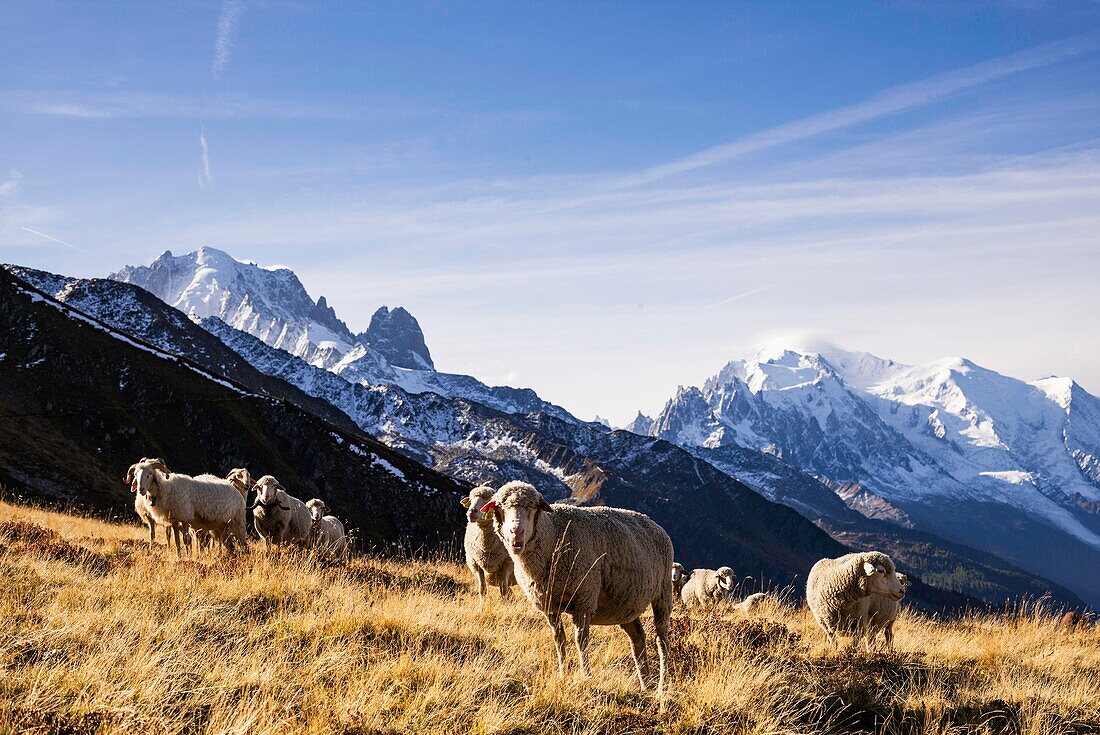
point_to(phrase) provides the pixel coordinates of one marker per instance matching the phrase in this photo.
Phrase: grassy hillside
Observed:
(102, 635)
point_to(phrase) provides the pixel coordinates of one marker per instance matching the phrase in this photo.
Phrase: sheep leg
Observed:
(554, 621)
(152, 532)
(505, 584)
(636, 632)
(660, 623)
(582, 634)
(482, 588)
(890, 634)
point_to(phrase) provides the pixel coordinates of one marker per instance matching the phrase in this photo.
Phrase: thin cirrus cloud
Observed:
(204, 176)
(223, 44)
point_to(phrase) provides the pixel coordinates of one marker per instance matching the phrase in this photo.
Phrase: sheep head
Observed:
(145, 480)
(267, 492)
(475, 503)
(677, 573)
(317, 509)
(516, 508)
(726, 579)
(134, 467)
(241, 479)
(878, 576)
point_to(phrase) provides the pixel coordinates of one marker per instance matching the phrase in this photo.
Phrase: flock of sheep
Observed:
(599, 565)
(605, 566)
(213, 510)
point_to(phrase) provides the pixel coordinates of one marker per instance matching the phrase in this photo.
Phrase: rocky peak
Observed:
(397, 335)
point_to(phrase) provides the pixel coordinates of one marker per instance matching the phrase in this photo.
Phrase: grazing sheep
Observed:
(708, 586)
(679, 579)
(204, 502)
(878, 613)
(278, 516)
(486, 556)
(836, 587)
(326, 532)
(1071, 620)
(752, 603)
(601, 565)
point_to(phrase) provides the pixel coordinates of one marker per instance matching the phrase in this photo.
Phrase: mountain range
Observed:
(791, 454)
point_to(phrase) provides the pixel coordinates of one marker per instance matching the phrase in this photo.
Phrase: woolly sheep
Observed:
(241, 479)
(326, 532)
(602, 566)
(836, 588)
(878, 613)
(679, 579)
(708, 586)
(204, 502)
(486, 556)
(141, 507)
(278, 516)
(750, 604)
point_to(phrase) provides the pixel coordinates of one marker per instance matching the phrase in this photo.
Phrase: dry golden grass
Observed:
(113, 638)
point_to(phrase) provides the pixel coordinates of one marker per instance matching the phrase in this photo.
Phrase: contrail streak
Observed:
(54, 239)
(799, 274)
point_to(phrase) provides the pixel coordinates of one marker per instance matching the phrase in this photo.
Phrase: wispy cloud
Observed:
(891, 101)
(53, 239)
(223, 44)
(204, 177)
(10, 187)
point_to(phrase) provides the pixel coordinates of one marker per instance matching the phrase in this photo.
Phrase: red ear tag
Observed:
(465, 502)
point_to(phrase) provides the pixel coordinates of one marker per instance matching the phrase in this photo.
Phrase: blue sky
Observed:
(597, 200)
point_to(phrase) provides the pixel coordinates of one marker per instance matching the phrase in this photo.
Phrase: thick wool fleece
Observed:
(486, 556)
(836, 587)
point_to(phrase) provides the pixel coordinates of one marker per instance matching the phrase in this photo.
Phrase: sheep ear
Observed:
(868, 569)
(487, 510)
(465, 502)
(545, 507)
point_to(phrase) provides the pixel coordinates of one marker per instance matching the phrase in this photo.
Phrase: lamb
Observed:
(204, 502)
(878, 613)
(708, 586)
(752, 603)
(278, 516)
(679, 579)
(835, 589)
(486, 556)
(601, 565)
(326, 532)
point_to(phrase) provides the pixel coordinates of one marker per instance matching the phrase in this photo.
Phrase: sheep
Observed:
(241, 479)
(486, 556)
(836, 587)
(752, 603)
(679, 579)
(601, 565)
(204, 502)
(878, 613)
(278, 516)
(141, 507)
(708, 586)
(326, 531)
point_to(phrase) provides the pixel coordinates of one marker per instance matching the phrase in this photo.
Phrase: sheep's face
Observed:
(240, 479)
(266, 490)
(317, 509)
(881, 579)
(516, 520)
(479, 497)
(726, 579)
(677, 573)
(147, 483)
(904, 582)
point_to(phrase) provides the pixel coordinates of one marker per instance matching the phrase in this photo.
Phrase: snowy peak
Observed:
(271, 304)
(641, 424)
(397, 335)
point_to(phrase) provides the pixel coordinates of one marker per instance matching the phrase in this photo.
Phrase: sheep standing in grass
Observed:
(204, 502)
(878, 613)
(486, 556)
(141, 507)
(603, 566)
(240, 479)
(279, 517)
(679, 579)
(708, 586)
(836, 588)
(327, 532)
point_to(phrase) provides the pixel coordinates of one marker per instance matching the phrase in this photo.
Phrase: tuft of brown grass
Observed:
(282, 644)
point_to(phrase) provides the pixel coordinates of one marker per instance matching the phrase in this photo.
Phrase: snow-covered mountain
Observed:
(271, 304)
(917, 445)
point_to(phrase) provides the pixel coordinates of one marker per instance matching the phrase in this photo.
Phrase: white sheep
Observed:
(752, 603)
(326, 532)
(278, 516)
(708, 587)
(486, 556)
(602, 566)
(141, 507)
(240, 479)
(203, 503)
(836, 589)
(679, 579)
(878, 614)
